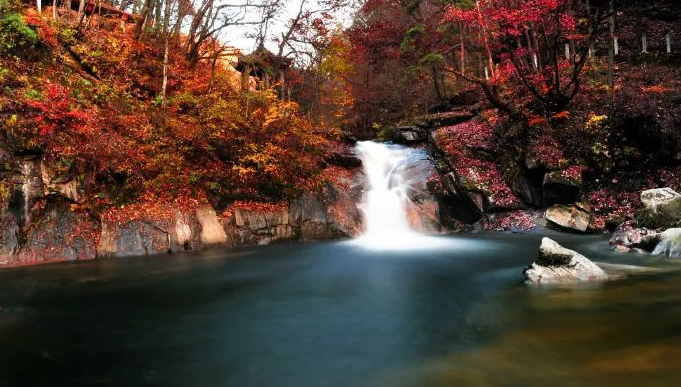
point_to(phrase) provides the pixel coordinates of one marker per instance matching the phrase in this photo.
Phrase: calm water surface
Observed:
(333, 314)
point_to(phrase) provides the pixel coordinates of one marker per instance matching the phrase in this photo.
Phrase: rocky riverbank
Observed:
(42, 219)
(464, 181)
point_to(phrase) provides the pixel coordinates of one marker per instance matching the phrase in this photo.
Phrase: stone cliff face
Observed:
(39, 223)
(35, 217)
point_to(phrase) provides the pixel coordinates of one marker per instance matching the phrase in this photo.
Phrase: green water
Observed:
(333, 314)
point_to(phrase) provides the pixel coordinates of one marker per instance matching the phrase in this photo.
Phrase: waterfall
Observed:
(386, 225)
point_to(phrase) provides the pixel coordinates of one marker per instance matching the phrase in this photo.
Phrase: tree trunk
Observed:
(39, 5)
(490, 62)
(463, 50)
(157, 18)
(436, 83)
(166, 30)
(611, 46)
(81, 12)
(139, 24)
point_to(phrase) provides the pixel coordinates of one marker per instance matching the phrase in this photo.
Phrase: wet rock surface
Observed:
(629, 238)
(410, 135)
(557, 265)
(343, 156)
(668, 243)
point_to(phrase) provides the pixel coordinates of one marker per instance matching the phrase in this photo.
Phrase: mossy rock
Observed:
(664, 215)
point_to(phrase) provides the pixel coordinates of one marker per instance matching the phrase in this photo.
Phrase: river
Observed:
(338, 314)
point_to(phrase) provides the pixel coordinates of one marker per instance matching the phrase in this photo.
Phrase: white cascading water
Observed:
(386, 225)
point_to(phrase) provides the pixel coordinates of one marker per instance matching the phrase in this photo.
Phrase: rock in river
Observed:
(662, 209)
(568, 217)
(669, 243)
(557, 265)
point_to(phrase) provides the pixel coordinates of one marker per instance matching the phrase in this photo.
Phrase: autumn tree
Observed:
(539, 47)
(397, 52)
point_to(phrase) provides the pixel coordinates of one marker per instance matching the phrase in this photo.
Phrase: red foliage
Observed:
(611, 205)
(153, 207)
(516, 221)
(460, 143)
(547, 152)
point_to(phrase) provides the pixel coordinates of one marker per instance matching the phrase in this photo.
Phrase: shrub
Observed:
(16, 37)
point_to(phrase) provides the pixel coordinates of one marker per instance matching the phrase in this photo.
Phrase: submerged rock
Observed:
(618, 271)
(558, 265)
(628, 238)
(568, 217)
(662, 209)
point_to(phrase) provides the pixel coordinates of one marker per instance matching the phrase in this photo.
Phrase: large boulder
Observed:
(662, 209)
(560, 187)
(568, 217)
(557, 265)
(654, 197)
(343, 156)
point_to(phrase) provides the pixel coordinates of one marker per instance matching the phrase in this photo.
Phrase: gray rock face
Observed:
(61, 234)
(410, 135)
(308, 212)
(669, 243)
(255, 227)
(134, 238)
(9, 239)
(453, 117)
(344, 157)
(557, 265)
(662, 209)
(423, 211)
(568, 217)
(330, 213)
(653, 197)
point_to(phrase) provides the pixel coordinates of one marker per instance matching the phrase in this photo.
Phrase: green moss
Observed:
(67, 36)
(386, 132)
(16, 37)
(553, 259)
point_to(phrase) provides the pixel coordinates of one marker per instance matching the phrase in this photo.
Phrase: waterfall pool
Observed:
(337, 314)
